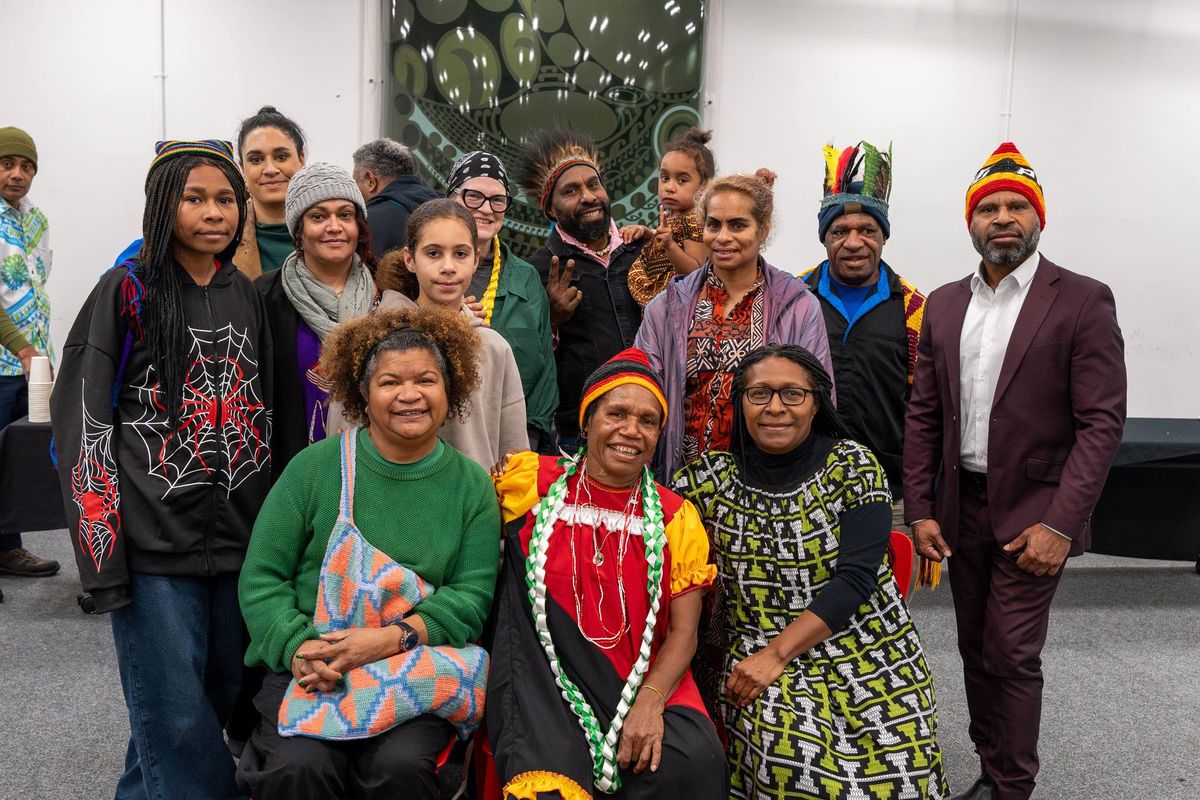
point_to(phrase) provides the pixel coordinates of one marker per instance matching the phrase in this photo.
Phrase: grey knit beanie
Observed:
(315, 183)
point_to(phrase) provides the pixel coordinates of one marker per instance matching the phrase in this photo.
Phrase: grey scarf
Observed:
(317, 304)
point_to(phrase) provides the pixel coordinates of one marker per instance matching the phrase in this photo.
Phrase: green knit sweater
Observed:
(438, 516)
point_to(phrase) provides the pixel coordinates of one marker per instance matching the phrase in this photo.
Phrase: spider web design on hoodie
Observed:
(95, 492)
(224, 425)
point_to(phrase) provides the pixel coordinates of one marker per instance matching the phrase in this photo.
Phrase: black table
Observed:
(30, 496)
(1150, 507)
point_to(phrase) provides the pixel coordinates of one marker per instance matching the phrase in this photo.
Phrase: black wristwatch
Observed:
(408, 636)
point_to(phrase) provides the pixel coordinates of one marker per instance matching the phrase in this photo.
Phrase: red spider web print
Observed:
(224, 427)
(94, 489)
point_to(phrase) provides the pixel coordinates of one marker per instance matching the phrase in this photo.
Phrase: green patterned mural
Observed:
(480, 75)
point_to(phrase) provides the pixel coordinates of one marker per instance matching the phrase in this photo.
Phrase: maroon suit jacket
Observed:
(1057, 416)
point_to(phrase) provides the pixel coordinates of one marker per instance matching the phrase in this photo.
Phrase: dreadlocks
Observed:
(547, 155)
(162, 321)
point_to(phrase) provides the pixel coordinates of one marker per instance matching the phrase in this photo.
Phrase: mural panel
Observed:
(479, 75)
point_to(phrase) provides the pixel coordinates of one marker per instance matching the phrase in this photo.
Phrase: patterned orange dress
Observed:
(649, 274)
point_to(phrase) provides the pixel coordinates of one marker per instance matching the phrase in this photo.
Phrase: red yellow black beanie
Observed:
(1006, 170)
(626, 367)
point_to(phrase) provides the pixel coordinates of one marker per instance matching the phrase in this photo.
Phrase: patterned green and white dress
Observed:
(853, 718)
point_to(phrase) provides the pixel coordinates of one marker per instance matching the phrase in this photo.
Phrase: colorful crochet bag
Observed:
(361, 586)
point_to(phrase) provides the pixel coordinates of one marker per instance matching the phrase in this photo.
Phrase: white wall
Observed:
(81, 80)
(1105, 104)
(1105, 101)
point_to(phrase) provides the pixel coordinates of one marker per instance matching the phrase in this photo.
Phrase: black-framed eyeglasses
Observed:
(473, 200)
(789, 396)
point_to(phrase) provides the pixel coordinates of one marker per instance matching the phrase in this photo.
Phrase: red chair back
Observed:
(900, 555)
(487, 783)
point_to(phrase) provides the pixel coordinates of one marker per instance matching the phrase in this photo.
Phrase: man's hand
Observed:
(563, 296)
(633, 233)
(1045, 550)
(310, 672)
(927, 535)
(353, 647)
(642, 735)
(753, 675)
(26, 355)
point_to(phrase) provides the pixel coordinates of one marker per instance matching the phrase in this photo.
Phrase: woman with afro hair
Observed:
(363, 615)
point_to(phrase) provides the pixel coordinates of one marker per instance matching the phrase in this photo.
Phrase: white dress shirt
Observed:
(986, 330)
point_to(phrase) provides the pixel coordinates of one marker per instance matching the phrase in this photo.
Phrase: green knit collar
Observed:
(370, 457)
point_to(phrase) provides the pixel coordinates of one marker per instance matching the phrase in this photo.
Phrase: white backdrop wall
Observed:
(82, 81)
(1105, 97)
(1105, 104)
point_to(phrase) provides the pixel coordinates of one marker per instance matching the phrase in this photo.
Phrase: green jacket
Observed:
(522, 317)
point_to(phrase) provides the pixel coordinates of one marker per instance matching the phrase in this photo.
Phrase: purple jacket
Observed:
(792, 315)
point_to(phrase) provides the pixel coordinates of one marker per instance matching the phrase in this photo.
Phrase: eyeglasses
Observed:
(789, 396)
(473, 200)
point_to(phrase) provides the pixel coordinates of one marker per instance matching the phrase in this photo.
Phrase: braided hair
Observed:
(827, 421)
(162, 320)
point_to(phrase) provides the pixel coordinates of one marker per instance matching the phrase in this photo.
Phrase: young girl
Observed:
(439, 258)
(676, 247)
(162, 435)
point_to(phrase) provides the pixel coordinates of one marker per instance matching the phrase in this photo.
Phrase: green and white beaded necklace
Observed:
(601, 745)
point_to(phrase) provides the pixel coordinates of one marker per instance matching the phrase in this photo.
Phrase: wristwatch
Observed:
(408, 636)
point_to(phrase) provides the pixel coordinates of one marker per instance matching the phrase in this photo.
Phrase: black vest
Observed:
(870, 366)
(604, 322)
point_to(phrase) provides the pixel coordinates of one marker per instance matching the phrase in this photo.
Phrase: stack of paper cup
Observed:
(40, 384)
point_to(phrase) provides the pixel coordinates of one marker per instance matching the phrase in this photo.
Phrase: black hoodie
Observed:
(137, 499)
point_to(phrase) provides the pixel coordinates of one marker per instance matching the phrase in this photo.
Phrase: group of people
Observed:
(354, 480)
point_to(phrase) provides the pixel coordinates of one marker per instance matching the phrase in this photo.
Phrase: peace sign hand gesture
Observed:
(564, 297)
(662, 235)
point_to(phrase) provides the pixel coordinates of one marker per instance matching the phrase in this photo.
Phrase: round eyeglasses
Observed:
(473, 200)
(789, 396)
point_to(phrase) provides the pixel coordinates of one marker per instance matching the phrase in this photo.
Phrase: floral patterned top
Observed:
(718, 340)
(24, 267)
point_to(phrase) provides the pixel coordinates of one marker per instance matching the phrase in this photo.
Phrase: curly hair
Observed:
(394, 275)
(694, 143)
(349, 353)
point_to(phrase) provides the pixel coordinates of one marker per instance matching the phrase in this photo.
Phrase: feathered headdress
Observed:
(857, 180)
(547, 155)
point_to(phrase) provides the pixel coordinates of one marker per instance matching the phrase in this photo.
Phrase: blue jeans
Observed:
(179, 649)
(14, 404)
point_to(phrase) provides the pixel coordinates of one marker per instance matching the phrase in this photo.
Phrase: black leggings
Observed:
(397, 763)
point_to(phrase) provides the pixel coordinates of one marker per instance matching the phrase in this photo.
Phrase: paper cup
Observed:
(39, 370)
(39, 400)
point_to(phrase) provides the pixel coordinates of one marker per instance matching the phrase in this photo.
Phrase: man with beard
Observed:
(872, 315)
(1017, 409)
(584, 265)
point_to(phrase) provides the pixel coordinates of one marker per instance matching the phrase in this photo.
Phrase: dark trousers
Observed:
(1002, 614)
(399, 763)
(179, 648)
(14, 404)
